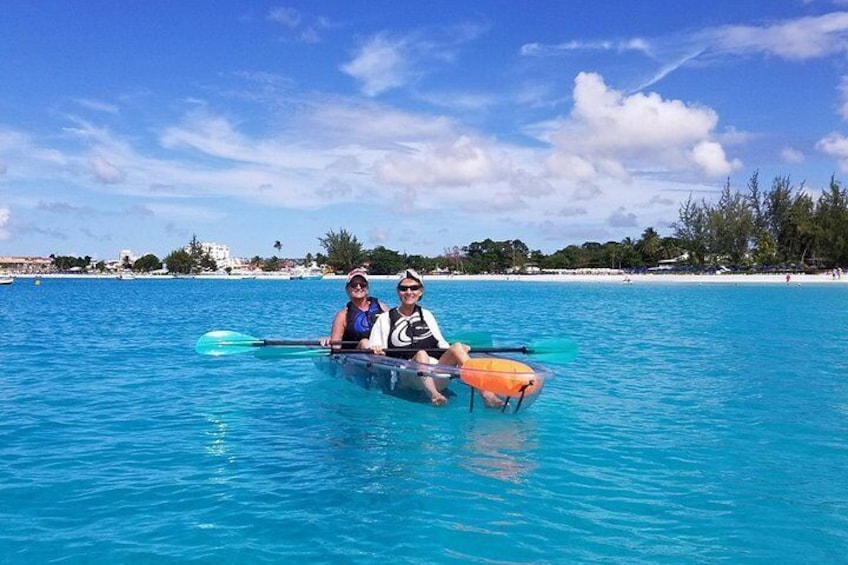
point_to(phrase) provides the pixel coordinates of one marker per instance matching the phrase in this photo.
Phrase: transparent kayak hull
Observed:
(516, 384)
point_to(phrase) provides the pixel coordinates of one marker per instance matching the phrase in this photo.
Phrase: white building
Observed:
(218, 251)
(127, 255)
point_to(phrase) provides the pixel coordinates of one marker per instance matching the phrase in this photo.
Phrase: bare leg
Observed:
(428, 384)
(458, 355)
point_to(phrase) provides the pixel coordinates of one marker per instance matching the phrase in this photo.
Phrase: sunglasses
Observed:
(357, 285)
(403, 287)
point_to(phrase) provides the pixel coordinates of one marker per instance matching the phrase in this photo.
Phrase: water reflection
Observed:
(500, 448)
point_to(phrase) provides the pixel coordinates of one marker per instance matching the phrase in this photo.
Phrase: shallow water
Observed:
(698, 424)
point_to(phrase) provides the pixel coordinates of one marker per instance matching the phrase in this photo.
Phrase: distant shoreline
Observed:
(611, 278)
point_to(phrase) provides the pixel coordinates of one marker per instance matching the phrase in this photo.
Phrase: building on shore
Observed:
(25, 265)
(219, 252)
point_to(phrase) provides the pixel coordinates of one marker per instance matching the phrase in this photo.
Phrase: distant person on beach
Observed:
(409, 326)
(353, 323)
(788, 278)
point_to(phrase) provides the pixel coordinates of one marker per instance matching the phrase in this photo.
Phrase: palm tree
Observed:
(649, 246)
(278, 246)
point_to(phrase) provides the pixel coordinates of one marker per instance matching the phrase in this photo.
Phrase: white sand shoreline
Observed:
(611, 278)
(623, 278)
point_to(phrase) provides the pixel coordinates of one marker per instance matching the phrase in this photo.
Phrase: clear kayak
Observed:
(516, 384)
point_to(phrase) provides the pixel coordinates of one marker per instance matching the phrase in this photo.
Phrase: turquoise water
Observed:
(699, 424)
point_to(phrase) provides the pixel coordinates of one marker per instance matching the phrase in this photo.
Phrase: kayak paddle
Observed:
(225, 342)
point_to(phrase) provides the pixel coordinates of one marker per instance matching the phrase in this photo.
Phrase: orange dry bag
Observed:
(504, 377)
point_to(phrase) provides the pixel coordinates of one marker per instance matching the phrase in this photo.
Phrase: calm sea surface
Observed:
(699, 424)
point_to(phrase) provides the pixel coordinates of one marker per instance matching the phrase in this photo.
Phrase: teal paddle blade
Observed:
(473, 339)
(225, 342)
(554, 351)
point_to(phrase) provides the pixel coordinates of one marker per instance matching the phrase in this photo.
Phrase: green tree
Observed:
(649, 246)
(832, 218)
(692, 229)
(731, 225)
(344, 251)
(147, 263)
(179, 261)
(385, 261)
(190, 259)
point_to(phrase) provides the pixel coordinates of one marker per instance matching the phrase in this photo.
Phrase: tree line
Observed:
(783, 226)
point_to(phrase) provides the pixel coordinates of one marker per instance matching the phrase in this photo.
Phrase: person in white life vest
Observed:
(411, 327)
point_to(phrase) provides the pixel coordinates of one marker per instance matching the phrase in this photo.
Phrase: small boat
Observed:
(6, 280)
(516, 383)
(126, 276)
(307, 273)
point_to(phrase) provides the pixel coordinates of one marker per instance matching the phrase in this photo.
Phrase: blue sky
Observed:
(417, 126)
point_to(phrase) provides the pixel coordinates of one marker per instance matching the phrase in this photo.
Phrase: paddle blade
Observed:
(554, 351)
(225, 342)
(473, 339)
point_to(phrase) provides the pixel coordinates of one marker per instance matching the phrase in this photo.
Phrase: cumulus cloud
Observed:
(609, 132)
(835, 145)
(621, 218)
(464, 162)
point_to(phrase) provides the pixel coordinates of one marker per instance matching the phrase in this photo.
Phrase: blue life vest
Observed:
(358, 323)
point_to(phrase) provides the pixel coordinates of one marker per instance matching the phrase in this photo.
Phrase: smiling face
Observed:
(409, 291)
(357, 288)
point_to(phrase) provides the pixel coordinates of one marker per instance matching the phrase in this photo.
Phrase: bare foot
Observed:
(438, 399)
(490, 399)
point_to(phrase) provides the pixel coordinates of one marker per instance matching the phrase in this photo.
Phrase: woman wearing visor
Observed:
(409, 326)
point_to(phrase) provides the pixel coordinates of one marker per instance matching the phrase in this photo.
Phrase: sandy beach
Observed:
(577, 277)
(624, 278)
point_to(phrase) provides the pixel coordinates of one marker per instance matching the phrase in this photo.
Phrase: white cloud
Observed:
(385, 62)
(610, 133)
(835, 145)
(621, 218)
(538, 49)
(464, 162)
(380, 65)
(104, 171)
(97, 105)
(5, 216)
(791, 156)
(289, 17)
(798, 40)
